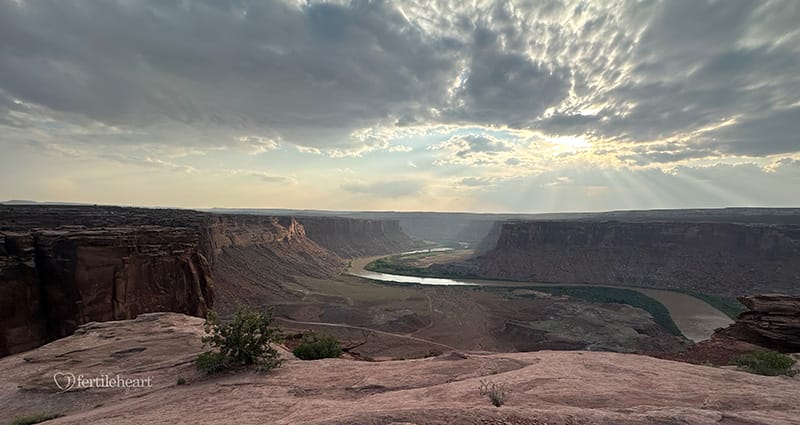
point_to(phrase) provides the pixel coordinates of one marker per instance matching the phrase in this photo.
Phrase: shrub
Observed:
(34, 419)
(314, 347)
(245, 340)
(497, 393)
(181, 381)
(767, 362)
(212, 362)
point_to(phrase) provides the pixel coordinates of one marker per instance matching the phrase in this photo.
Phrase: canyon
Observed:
(94, 290)
(545, 387)
(62, 266)
(727, 259)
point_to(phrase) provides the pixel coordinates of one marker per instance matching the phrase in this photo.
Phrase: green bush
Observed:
(245, 340)
(314, 347)
(767, 362)
(212, 362)
(34, 419)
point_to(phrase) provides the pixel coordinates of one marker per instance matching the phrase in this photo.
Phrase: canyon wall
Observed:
(720, 258)
(61, 266)
(256, 260)
(351, 238)
(53, 280)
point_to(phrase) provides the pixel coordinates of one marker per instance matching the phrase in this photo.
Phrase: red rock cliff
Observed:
(61, 266)
(51, 281)
(255, 258)
(350, 237)
(723, 258)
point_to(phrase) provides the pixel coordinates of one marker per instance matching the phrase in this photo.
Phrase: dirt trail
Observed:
(695, 318)
(344, 325)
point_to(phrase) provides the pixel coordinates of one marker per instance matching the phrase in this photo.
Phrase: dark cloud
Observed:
(312, 73)
(504, 88)
(308, 72)
(773, 133)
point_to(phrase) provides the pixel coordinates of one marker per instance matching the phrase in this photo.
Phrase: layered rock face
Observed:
(772, 321)
(722, 258)
(52, 280)
(351, 238)
(257, 259)
(61, 266)
(489, 240)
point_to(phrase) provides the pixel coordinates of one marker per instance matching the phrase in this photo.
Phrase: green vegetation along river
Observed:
(695, 318)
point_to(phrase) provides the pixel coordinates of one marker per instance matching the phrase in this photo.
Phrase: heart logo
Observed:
(64, 381)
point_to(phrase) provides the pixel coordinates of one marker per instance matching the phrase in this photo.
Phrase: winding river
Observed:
(695, 318)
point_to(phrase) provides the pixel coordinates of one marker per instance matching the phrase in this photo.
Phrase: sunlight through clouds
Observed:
(476, 103)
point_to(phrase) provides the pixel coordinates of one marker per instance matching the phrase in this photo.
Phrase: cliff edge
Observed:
(62, 266)
(728, 259)
(546, 387)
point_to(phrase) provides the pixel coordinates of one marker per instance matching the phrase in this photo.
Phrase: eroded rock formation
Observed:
(772, 321)
(350, 237)
(723, 258)
(53, 280)
(61, 266)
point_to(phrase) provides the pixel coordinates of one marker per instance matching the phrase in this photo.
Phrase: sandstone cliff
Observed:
(722, 258)
(350, 237)
(61, 266)
(51, 281)
(256, 259)
(772, 321)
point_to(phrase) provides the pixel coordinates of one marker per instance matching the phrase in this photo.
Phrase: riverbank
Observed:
(695, 318)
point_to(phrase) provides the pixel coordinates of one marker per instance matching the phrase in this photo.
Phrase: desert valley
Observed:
(641, 307)
(384, 212)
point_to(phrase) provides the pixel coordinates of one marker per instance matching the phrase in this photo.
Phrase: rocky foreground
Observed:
(547, 387)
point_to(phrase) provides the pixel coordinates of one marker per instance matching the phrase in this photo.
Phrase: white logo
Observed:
(66, 381)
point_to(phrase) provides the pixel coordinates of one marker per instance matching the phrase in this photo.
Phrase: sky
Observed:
(485, 106)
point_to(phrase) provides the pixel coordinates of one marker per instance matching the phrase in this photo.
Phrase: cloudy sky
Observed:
(405, 105)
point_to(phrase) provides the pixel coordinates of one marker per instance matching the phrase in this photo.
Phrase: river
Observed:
(695, 318)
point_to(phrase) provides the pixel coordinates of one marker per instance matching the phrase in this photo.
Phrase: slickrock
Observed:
(547, 387)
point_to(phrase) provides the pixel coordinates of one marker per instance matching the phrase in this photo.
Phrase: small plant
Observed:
(497, 393)
(180, 381)
(34, 419)
(314, 347)
(245, 340)
(767, 362)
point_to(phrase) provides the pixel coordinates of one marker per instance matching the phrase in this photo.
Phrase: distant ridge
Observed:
(29, 202)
